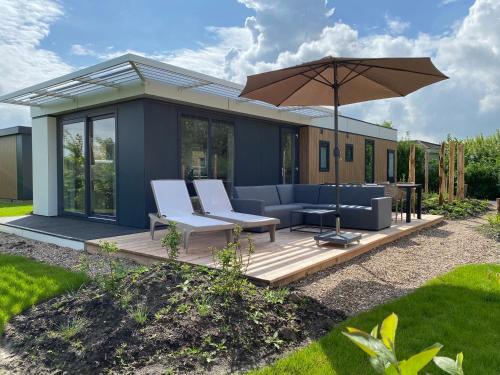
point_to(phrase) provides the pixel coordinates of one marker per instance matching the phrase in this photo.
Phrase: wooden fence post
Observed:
(426, 171)
(442, 175)
(460, 171)
(451, 173)
(411, 165)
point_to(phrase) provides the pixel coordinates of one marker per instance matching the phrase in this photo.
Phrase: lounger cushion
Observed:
(286, 194)
(266, 193)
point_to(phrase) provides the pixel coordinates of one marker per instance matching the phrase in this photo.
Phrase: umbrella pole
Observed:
(336, 151)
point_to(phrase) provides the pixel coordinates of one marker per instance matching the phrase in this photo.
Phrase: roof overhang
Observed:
(131, 75)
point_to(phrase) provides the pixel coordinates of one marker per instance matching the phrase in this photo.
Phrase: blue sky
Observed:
(230, 39)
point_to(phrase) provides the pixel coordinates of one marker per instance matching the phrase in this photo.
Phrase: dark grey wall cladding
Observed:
(161, 150)
(130, 164)
(24, 166)
(257, 146)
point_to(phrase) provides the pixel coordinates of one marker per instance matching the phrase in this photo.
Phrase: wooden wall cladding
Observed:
(8, 167)
(350, 172)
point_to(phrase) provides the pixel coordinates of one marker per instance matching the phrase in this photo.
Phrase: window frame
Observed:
(351, 147)
(322, 145)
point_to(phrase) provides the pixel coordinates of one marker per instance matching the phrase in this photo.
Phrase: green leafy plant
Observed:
(275, 296)
(380, 345)
(172, 240)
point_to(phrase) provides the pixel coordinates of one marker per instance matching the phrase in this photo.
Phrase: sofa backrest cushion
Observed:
(266, 193)
(360, 195)
(327, 194)
(285, 193)
(304, 193)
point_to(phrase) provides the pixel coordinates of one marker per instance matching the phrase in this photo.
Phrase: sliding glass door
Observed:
(207, 150)
(289, 156)
(73, 167)
(102, 167)
(89, 167)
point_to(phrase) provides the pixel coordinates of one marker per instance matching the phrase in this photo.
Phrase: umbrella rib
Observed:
(315, 79)
(293, 92)
(404, 70)
(322, 76)
(357, 75)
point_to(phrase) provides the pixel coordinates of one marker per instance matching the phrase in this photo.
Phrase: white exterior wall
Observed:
(44, 143)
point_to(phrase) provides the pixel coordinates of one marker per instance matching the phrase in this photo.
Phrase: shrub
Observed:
(492, 227)
(172, 240)
(458, 209)
(483, 180)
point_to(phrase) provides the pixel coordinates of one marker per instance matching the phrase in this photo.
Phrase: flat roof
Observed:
(13, 130)
(129, 69)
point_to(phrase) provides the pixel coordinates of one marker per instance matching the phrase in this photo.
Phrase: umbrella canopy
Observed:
(337, 81)
(358, 80)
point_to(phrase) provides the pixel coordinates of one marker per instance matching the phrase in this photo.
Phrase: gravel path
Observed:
(398, 268)
(53, 254)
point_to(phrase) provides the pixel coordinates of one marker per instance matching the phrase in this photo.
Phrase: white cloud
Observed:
(396, 25)
(23, 24)
(447, 2)
(286, 32)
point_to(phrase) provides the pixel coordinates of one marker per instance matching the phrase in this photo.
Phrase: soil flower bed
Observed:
(168, 318)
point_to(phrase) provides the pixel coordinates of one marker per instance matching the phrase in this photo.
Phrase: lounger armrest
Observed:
(248, 206)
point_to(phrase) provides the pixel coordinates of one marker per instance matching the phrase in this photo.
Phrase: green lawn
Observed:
(460, 310)
(25, 282)
(15, 208)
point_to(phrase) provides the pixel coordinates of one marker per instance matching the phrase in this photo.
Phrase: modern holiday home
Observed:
(101, 134)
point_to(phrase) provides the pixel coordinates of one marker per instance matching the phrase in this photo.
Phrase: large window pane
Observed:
(369, 161)
(74, 167)
(102, 167)
(287, 157)
(222, 152)
(194, 139)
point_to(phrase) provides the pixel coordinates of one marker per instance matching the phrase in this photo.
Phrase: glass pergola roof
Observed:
(129, 69)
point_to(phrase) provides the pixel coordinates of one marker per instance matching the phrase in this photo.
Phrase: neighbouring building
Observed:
(15, 163)
(101, 134)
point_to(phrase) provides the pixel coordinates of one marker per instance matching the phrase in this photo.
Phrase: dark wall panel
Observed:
(160, 152)
(130, 173)
(257, 152)
(24, 167)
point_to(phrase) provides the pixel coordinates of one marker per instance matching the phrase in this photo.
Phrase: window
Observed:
(391, 158)
(207, 149)
(349, 152)
(369, 161)
(324, 156)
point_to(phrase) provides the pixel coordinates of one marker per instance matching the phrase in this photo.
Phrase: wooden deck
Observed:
(293, 256)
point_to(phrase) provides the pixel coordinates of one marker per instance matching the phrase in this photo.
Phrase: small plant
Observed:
(202, 307)
(382, 351)
(274, 340)
(125, 299)
(164, 311)
(491, 228)
(139, 314)
(275, 296)
(233, 262)
(72, 328)
(183, 308)
(172, 240)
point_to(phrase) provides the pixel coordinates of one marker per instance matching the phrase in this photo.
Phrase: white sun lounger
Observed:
(174, 205)
(216, 204)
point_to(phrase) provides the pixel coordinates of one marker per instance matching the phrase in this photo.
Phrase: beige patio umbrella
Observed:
(336, 81)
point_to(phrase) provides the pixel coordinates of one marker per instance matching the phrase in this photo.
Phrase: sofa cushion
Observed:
(359, 195)
(285, 193)
(282, 212)
(327, 194)
(304, 193)
(282, 207)
(266, 193)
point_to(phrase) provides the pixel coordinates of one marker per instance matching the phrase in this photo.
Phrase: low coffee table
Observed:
(309, 211)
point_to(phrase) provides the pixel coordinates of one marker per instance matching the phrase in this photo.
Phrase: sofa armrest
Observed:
(382, 208)
(248, 206)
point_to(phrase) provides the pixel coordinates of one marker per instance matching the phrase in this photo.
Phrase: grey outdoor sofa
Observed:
(361, 207)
